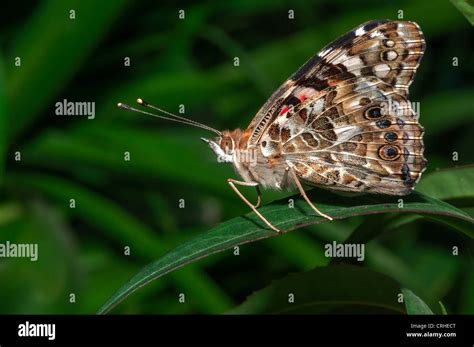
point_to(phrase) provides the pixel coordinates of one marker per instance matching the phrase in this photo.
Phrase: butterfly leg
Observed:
(249, 184)
(303, 193)
(232, 184)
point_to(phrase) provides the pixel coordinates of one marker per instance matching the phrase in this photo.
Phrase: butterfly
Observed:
(342, 121)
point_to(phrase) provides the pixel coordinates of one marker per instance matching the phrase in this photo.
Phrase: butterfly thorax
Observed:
(249, 161)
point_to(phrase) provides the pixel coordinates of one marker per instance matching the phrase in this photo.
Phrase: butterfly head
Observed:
(224, 145)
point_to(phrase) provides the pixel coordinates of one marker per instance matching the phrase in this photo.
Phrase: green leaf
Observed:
(414, 304)
(323, 290)
(299, 249)
(443, 308)
(450, 184)
(465, 8)
(249, 228)
(447, 184)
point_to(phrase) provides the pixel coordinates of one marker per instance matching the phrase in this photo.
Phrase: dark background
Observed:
(136, 203)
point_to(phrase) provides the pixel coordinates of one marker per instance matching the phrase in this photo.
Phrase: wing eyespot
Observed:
(389, 152)
(383, 123)
(391, 137)
(388, 43)
(373, 112)
(389, 55)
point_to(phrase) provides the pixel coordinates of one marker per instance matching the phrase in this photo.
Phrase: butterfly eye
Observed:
(227, 145)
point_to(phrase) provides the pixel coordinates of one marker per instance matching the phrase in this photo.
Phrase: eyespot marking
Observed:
(389, 152)
(373, 112)
(383, 123)
(391, 137)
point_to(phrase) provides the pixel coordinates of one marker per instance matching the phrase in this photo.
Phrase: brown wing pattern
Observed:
(360, 135)
(389, 50)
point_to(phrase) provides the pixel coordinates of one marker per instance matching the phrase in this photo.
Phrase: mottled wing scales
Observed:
(343, 120)
(360, 135)
(389, 50)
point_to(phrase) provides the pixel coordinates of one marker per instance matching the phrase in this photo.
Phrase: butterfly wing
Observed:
(389, 50)
(345, 123)
(360, 135)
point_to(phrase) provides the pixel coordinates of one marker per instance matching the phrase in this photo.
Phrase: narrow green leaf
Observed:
(299, 249)
(323, 290)
(414, 304)
(466, 8)
(368, 230)
(450, 184)
(249, 228)
(443, 308)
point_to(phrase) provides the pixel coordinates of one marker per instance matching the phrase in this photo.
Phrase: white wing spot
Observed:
(318, 106)
(352, 62)
(390, 43)
(381, 70)
(324, 52)
(375, 34)
(344, 133)
(308, 92)
(391, 55)
(360, 31)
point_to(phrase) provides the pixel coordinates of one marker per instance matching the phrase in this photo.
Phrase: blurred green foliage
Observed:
(136, 203)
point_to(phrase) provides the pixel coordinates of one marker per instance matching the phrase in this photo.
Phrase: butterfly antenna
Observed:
(190, 121)
(173, 118)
